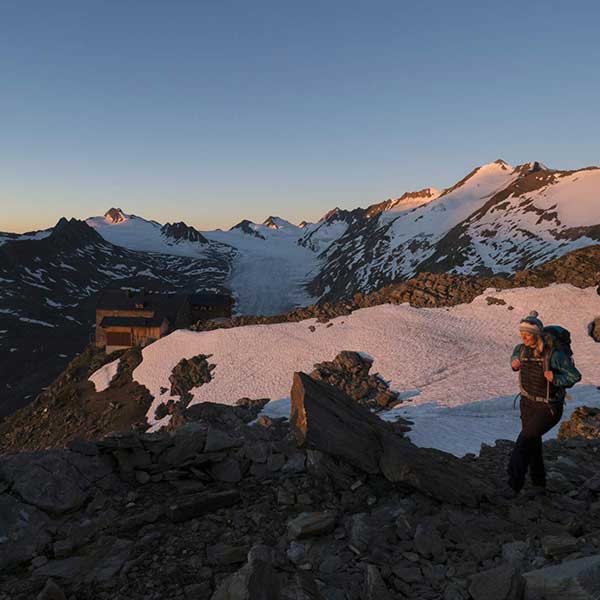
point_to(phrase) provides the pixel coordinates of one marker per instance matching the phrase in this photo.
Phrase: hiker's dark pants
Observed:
(536, 419)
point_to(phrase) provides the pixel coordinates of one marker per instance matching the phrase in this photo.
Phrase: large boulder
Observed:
(23, 531)
(324, 418)
(570, 580)
(56, 481)
(256, 580)
(500, 583)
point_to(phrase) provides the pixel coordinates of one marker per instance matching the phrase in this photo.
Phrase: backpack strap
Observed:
(547, 358)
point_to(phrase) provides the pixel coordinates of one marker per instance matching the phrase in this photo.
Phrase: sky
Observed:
(211, 111)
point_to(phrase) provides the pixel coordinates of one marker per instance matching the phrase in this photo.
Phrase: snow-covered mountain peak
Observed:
(489, 177)
(502, 164)
(115, 215)
(277, 223)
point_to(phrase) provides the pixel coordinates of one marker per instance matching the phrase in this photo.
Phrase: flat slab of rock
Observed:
(559, 545)
(23, 531)
(194, 506)
(310, 524)
(324, 418)
(570, 580)
(501, 583)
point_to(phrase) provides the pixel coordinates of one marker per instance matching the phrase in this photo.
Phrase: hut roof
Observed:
(154, 321)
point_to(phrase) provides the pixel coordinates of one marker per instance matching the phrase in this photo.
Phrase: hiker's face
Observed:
(529, 339)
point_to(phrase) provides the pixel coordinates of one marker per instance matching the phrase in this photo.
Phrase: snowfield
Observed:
(451, 364)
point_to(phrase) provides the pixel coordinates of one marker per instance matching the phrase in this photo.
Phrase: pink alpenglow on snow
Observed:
(452, 363)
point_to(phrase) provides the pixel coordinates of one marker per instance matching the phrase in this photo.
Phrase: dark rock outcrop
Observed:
(327, 419)
(181, 232)
(349, 372)
(584, 423)
(71, 409)
(245, 227)
(189, 373)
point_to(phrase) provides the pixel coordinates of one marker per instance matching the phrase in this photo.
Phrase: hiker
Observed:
(545, 369)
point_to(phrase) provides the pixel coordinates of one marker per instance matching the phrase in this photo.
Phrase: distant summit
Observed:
(247, 227)
(180, 231)
(115, 215)
(277, 223)
(72, 233)
(531, 167)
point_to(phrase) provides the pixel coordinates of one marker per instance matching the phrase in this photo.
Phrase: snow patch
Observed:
(103, 376)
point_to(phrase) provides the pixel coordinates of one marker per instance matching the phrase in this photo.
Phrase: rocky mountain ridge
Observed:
(497, 219)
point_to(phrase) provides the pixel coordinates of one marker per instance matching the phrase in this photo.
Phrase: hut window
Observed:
(118, 338)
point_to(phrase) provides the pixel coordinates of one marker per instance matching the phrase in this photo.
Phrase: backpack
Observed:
(561, 338)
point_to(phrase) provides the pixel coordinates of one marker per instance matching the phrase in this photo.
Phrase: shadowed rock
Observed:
(325, 418)
(584, 423)
(574, 579)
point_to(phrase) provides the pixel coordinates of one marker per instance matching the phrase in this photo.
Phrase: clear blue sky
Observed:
(211, 111)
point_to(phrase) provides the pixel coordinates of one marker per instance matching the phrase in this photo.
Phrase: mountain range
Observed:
(498, 219)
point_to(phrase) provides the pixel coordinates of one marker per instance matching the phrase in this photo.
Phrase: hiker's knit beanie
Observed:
(531, 324)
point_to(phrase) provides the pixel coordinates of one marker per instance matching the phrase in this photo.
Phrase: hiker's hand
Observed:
(516, 364)
(549, 375)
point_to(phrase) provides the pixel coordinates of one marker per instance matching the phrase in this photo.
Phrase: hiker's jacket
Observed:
(531, 377)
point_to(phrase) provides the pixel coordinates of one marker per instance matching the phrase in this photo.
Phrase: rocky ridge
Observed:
(222, 508)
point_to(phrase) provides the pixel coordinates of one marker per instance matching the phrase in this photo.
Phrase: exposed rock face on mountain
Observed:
(48, 296)
(180, 231)
(318, 236)
(277, 223)
(222, 509)
(408, 201)
(114, 215)
(245, 226)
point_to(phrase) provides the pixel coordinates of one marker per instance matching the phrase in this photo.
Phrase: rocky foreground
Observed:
(336, 505)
